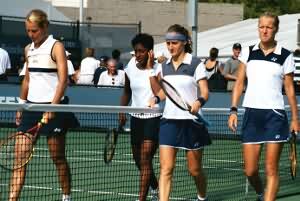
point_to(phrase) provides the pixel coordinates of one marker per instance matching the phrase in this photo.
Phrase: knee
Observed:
(195, 171)
(251, 172)
(166, 170)
(271, 170)
(58, 159)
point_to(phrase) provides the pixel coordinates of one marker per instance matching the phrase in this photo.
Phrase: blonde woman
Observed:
(268, 67)
(44, 82)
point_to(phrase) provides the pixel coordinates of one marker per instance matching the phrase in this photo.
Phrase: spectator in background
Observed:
(20, 64)
(115, 54)
(214, 71)
(231, 66)
(100, 69)
(297, 71)
(71, 71)
(22, 72)
(113, 76)
(87, 67)
(4, 64)
(132, 53)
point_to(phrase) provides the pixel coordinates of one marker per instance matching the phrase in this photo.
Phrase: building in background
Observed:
(155, 15)
(109, 24)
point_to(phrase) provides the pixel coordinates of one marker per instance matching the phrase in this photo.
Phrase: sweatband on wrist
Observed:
(201, 100)
(233, 110)
(157, 99)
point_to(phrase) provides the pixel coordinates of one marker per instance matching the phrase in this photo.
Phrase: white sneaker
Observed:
(154, 194)
(66, 198)
(200, 200)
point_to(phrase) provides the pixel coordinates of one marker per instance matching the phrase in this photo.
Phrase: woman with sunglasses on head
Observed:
(178, 129)
(268, 67)
(144, 127)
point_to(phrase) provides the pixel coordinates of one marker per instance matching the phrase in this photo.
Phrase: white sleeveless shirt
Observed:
(43, 78)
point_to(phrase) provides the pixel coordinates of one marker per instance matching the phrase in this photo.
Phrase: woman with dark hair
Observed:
(268, 67)
(144, 127)
(214, 71)
(178, 128)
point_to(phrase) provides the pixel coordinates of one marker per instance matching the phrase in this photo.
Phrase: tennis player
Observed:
(178, 129)
(268, 67)
(144, 127)
(45, 82)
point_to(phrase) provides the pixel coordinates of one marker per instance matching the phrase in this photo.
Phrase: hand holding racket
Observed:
(111, 142)
(178, 100)
(17, 149)
(293, 155)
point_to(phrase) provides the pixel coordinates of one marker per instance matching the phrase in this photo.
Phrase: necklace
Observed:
(267, 50)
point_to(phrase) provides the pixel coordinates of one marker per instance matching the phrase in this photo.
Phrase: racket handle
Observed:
(203, 120)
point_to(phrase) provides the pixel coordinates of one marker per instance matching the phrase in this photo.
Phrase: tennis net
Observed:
(92, 179)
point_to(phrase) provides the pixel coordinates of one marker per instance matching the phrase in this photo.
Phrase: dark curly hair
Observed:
(145, 39)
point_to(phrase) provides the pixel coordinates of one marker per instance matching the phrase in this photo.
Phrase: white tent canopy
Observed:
(244, 32)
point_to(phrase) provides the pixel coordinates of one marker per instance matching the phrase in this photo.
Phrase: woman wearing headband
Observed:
(178, 129)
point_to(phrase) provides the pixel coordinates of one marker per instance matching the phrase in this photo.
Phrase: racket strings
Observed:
(15, 152)
(110, 145)
(172, 94)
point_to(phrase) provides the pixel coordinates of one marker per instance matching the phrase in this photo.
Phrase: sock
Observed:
(201, 198)
(66, 197)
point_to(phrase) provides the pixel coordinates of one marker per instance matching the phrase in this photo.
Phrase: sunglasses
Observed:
(113, 81)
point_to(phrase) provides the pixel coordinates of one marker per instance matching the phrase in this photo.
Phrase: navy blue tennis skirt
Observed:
(58, 125)
(264, 125)
(183, 134)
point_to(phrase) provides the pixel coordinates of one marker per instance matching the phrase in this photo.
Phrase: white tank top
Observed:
(43, 78)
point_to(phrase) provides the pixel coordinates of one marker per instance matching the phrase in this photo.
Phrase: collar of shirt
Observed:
(276, 51)
(186, 60)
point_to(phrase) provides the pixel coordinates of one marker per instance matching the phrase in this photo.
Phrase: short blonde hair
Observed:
(39, 17)
(271, 15)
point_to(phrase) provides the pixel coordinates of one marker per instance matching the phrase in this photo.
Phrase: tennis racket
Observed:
(293, 155)
(179, 101)
(17, 149)
(110, 143)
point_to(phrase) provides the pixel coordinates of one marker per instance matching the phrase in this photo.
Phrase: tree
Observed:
(254, 8)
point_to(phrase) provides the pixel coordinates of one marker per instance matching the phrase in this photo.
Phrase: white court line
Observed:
(91, 192)
(131, 162)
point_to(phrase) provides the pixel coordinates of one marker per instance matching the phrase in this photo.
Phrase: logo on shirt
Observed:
(57, 130)
(277, 137)
(274, 59)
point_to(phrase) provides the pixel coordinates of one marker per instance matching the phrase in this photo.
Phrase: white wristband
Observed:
(151, 73)
(21, 101)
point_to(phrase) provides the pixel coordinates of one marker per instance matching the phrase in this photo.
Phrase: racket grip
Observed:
(203, 120)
